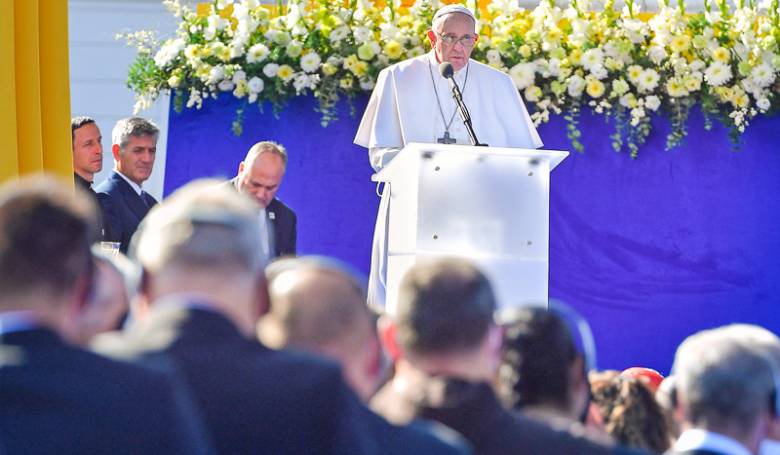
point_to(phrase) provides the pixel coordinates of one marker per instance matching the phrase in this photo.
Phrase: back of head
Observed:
(630, 414)
(45, 235)
(316, 304)
(721, 381)
(444, 306)
(204, 229)
(536, 361)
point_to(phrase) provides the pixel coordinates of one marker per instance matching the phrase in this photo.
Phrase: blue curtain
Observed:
(648, 250)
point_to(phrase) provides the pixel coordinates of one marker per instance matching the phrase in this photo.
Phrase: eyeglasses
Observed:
(465, 40)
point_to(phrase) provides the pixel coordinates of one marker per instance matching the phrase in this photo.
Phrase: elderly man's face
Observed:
(261, 177)
(453, 39)
(136, 160)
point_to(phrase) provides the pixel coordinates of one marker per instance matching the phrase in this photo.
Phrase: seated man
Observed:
(446, 350)
(54, 397)
(725, 394)
(122, 201)
(259, 176)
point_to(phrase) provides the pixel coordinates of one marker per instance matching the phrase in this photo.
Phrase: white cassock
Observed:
(404, 108)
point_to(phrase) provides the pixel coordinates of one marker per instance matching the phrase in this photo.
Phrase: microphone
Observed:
(447, 71)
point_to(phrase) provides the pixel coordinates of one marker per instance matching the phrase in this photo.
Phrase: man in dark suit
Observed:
(724, 392)
(259, 176)
(446, 348)
(203, 290)
(87, 151)
(54, 397)
(123, 202)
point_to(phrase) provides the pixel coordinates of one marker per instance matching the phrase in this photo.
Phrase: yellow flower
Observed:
(680, 43)
(359, 69)
(692, 84)
(525, 50)
(634, 73)
(675, 88)
(740, 100)
(595, 88)
(192, 52)
(285, 72)
(220, 51)
(575, 57)
(328, 69)
(202, 72)
(346, 83)
(553, 35)
(613, 64)
(366, 51)
(393, 49)
(721, 54)
(350, 61)
(174, 81)
(241, 89)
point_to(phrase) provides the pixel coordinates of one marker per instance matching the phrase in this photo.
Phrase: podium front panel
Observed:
(483, 204)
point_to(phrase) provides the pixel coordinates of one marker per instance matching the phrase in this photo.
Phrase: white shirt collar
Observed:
(136, 187)
(698, 439)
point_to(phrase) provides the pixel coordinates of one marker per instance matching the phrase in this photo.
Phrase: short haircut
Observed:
(444, 306)
(78, 122)
(132, 126)
(45, 235)
(267, 147)
(538, 353)
(722, 380)
(203, 226)
(306, 318)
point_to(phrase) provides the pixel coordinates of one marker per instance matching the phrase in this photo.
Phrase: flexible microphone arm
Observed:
(447, 71)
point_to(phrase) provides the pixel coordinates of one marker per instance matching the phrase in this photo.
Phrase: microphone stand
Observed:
(464, 113)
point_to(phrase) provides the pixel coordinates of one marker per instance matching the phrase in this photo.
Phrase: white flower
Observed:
(576, 86)
(367, 84)
(239, 76)
(294, 48)
(389, 31)
(226, 85)
(362, 34)
(338, 34)
(599, 72)
(168, 52)
(592, 58)
(763, 75)
(652, 102)
(301, 83)
(494, 57)
(256, 85)
(310, 62)
(523, 75)
(216, 74)
(648, 80)
(657, 54)
(763, 104)
(257, 53)
(717, 74)
(271, 69)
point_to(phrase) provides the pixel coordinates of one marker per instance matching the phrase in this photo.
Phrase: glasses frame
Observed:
(450, 39)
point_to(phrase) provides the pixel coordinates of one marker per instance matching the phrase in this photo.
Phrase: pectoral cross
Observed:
(446, 139)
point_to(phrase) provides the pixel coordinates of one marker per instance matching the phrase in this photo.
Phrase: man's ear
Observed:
(115, 151)
(432, 37)
(388, 331)
(240, 168)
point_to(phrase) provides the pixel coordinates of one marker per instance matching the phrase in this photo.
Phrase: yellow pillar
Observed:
(9, 163)
(28, 93)
(55, 88)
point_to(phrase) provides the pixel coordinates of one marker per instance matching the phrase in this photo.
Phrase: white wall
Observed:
(98, 70)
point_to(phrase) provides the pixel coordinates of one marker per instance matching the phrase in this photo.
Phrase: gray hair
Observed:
(723, 380)
(267, 147)
(132, 126)
(203, 226)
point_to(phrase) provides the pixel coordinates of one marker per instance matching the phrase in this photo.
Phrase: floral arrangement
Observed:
(620, 63)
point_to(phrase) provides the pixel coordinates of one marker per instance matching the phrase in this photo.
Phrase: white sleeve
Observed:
(380, 156)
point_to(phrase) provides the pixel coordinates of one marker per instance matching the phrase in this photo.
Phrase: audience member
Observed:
(446, 349)
(260, 175)
(87, 151)
(202, 292)
(56, 398)
(724, 394)
(542, 373)
(318, 305)
(627, 410)
(123, 202)
(649, 377)
(109, 301)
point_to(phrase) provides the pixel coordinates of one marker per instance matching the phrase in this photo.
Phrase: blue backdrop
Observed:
(649, 250)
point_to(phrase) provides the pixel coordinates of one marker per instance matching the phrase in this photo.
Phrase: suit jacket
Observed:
(283, 222)
(253, 399)
(56, 398)
(474, 411)
(122, 209)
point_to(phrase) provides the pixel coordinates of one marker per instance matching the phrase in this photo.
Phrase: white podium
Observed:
(488, 204)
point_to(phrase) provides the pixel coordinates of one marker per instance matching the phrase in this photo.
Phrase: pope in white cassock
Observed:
(412, 102)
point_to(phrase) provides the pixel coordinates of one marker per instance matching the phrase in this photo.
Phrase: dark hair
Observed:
(45, 235)
(536, 359)
(78, 122)
(631, 415)
(444, 306)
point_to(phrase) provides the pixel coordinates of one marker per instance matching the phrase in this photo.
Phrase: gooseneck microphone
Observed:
(447, 71)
